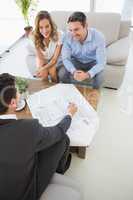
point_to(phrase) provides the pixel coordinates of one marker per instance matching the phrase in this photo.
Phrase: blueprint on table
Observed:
(49, 106)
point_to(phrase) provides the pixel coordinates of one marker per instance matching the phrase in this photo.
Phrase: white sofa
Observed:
(116, 33)
(62, 187)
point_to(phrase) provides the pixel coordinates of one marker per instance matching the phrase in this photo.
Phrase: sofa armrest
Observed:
(62, 187)
(66, 181)
(117, 52)
(124, 29)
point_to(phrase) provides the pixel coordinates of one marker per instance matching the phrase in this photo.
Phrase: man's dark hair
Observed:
(7, 91)
(77, 17)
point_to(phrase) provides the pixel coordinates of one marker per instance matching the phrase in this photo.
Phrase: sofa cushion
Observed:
(107, 23)
(66, 181)
(59, 192)
(62, 186)
(117, 52)
(60, 18)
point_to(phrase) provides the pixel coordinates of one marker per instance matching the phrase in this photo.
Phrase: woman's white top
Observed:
(49, 51)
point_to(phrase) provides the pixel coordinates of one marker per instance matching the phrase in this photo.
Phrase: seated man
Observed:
(83, 53)
(29, 153)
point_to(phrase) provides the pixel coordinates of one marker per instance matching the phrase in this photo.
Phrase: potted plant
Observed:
(26, 6)
(22, 85)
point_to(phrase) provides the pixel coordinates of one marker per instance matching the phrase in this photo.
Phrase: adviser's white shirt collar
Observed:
(9, 116)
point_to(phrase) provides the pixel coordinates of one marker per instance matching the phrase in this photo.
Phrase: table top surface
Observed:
(91, 95)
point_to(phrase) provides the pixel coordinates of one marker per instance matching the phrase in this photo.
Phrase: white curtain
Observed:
(127, 11)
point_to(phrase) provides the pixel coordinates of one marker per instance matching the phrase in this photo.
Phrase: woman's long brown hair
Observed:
(38, 37)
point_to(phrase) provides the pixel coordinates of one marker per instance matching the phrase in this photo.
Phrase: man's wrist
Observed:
(68, 113)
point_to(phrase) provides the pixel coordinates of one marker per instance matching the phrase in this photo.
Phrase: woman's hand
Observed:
(42, 73)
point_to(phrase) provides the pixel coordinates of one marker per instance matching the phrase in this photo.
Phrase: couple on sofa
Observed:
(78, 56)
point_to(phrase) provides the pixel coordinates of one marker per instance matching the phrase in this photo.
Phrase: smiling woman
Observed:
(48, 43)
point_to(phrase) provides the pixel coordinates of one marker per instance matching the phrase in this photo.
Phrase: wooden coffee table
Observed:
(91, 95)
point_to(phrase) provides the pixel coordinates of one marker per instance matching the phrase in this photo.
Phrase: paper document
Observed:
(49, 106)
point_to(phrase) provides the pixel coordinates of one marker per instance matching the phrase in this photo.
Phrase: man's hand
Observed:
(72, 109)
(80, 75)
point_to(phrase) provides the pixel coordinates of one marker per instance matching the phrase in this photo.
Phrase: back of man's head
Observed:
(77, 17)
(7, 91)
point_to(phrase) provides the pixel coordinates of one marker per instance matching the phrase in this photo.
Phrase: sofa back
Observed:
(124, 29)
(109, 24)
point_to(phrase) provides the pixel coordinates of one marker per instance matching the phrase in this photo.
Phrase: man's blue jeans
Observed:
(66, 77)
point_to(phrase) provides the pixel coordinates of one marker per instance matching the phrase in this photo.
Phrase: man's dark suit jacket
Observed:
(20, 140)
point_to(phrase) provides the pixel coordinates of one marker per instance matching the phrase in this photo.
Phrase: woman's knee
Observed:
(53, 73)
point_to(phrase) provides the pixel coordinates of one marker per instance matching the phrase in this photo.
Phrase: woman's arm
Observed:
(42, 64)
(54, 58)
(40, 59)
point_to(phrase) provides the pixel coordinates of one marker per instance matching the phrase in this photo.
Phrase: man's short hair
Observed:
(7, 91)
(77, 17)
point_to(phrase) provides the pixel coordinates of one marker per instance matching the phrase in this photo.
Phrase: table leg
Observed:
(80, 151)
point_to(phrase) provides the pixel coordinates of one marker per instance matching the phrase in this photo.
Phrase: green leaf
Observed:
(25, 6)
(21, 84)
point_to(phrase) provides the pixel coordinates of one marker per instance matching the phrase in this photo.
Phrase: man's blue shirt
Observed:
(92, 49)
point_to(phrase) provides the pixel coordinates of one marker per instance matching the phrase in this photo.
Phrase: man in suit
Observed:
(29, 153)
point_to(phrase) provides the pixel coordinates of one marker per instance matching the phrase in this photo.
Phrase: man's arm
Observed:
(48, 136)
(100, 57)
(66, 57)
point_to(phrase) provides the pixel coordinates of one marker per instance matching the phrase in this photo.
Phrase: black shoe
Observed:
(68, 162)
(64, 164)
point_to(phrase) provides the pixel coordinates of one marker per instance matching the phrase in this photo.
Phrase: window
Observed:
(124, 7)
(127, 12)
(109, 6)
(68, 5)
(11, 23)
(9, 9)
